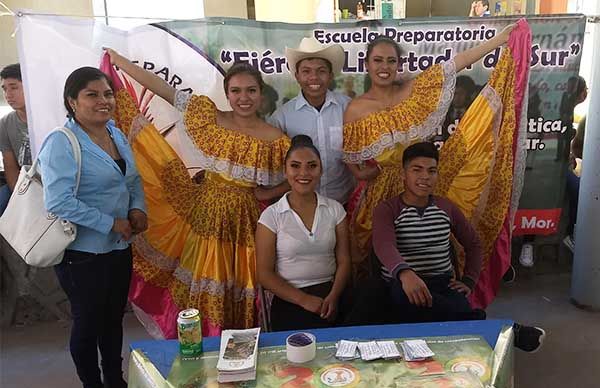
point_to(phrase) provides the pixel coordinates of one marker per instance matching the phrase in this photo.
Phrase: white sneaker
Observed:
(526, 258)
(569, 243)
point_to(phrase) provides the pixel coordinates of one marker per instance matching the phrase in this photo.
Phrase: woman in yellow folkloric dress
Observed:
(381, 123)
(199, 248)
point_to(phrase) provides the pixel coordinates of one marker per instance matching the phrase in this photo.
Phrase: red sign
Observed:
(536, 221)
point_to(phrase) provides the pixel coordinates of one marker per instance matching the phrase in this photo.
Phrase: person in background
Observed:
(349, 86)
(573, 178)
(302, 247)
(108, 209)
(318, 112)
(464, 92)
(14, 136)
(575, 93)
(14, 146)
(480, 8)
(269, 101)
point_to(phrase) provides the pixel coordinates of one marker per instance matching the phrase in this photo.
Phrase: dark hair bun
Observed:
(302, 140)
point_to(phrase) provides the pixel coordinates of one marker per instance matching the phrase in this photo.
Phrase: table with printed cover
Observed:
(467, 354)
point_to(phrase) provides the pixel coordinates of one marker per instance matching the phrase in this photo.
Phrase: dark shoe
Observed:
(509, 275)
(115, 383)
(528, 338)
(479, 315)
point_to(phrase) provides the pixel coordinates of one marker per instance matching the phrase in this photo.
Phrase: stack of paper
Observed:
(416, 350)
(238, 355)
(389, 350)
(347, 350)
(371, 350)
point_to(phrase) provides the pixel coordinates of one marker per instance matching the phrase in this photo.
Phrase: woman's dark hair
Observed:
(299, 142)
(424, 149)
(466, 83)
(77, 81)
(269, 101)
(242, 68)
(580, 86)
(380, 39)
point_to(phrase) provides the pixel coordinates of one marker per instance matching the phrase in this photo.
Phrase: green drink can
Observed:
(189, 330)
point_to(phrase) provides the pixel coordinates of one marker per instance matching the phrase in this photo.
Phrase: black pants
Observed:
(448, 304)
(97, 287)
(290, 316)
(573, 193)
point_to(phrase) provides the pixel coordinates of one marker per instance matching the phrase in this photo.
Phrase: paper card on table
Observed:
(415, 350)
(369, 350)
(389, 349)
(346, 350)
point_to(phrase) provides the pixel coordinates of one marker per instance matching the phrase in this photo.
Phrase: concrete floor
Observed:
(570, 357)
(37, 355)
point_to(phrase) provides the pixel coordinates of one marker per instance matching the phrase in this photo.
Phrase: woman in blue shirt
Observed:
(108, 209)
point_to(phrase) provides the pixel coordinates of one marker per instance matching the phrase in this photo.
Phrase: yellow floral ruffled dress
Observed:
(199, 248)
(382, 136)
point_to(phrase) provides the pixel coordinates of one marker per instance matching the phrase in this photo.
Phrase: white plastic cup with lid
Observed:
(301, 347)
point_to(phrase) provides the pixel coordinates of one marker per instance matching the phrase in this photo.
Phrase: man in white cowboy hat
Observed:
(318, 112)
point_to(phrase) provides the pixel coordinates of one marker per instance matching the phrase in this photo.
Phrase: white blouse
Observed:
(304, 257)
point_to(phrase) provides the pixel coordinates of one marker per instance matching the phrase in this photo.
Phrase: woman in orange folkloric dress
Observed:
(380, 124)
(199, 248)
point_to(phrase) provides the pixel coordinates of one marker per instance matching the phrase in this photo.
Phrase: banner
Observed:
(193, 55)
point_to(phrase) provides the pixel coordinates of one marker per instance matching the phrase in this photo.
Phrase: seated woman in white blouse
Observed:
(302, 248)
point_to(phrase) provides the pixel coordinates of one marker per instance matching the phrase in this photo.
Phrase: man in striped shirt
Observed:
(411, 238)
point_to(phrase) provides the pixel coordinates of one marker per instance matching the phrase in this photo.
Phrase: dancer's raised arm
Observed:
(472, 55)
(145, 78)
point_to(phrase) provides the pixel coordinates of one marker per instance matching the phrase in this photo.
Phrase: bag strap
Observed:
(76, 153)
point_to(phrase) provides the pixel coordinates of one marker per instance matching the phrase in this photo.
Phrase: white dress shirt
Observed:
(304, 257)
(325, 128)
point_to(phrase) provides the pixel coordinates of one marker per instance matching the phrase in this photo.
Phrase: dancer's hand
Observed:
(199, 177)
(138, 220)
(122, 227)
(459, 286)
(261, 194)
(505, 33)
(415, 289)
(312, 303)
(371, 171)
(329, 307)
(115, 57)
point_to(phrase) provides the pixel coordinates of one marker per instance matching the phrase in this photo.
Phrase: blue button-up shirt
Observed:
(325, 128)
(104, 192)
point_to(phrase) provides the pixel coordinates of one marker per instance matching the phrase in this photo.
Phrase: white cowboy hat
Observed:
(311, 48)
